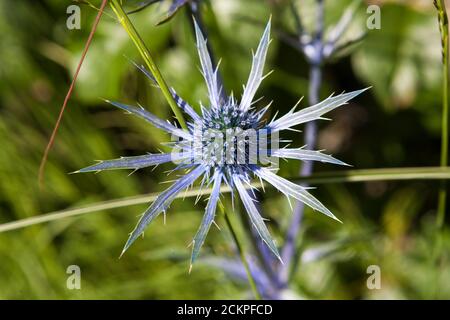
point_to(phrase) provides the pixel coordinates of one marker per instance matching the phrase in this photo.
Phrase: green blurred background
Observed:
(396, 124)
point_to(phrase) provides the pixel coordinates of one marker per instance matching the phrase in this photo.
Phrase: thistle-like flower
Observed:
(223, 145)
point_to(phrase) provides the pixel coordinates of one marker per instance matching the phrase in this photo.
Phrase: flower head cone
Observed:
(224, 145)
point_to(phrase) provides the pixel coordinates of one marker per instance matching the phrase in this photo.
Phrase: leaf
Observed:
(255, 217)
(179, 101)
(135, 163)
(154, 120)
(209, 74)
(142, 5)
(256, 73)
(314, 112)
(174, 7)
(208, 218)
(291, 189)
(161, 203)
(306, 155)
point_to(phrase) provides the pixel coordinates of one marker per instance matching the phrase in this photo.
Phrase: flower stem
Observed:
(240, 248)
(315, 82)
(146, 55)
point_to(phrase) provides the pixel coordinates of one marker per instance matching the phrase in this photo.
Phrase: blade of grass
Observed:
(443, 27)
(148, 59)
(383, 174)
(392, 174)
(69, 93)
(440, 217)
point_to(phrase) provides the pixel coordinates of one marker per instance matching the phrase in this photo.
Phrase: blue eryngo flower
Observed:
(225, 144)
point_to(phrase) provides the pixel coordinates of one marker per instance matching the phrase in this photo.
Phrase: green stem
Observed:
(145, 53)
(443, 27)
(444, 155)
(345, 176)
(444, 146)
(440, 217)
(240, 248)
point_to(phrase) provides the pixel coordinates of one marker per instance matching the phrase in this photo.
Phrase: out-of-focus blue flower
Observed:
(320, 47)
(173, 9)
(225, 144)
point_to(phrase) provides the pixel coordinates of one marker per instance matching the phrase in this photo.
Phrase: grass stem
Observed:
(69, 93)
(345, 176)
(148, 59)
(443, 26)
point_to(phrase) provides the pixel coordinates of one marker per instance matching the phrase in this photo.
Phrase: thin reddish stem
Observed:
(69, 92)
